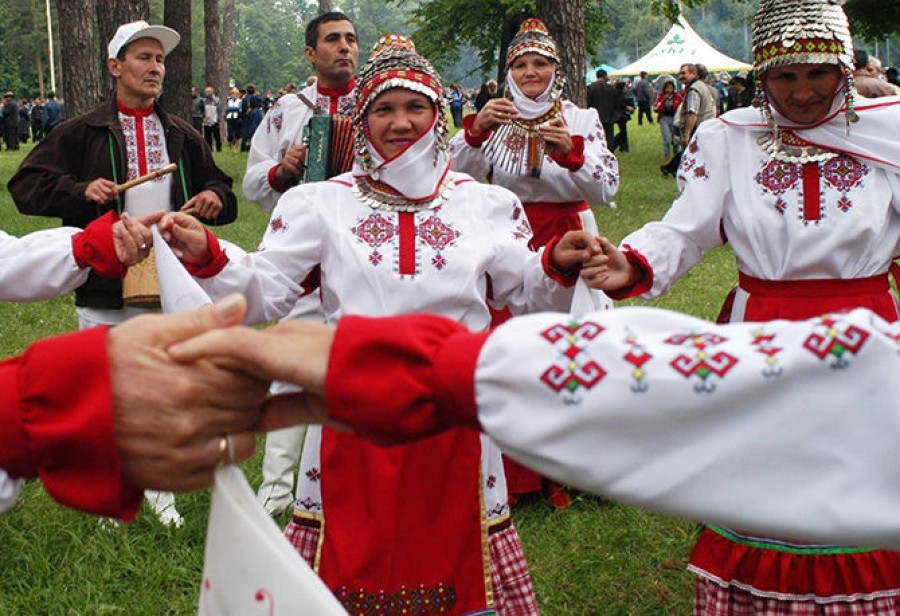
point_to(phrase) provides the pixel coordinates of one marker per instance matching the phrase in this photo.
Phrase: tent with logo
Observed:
(681, 44)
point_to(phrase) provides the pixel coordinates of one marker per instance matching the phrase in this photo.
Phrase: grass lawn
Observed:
(594, 558)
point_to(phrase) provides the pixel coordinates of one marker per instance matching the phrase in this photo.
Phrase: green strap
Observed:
(184, 189)
(112, 161)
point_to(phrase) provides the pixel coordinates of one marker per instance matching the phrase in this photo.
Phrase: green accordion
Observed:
(329, 141)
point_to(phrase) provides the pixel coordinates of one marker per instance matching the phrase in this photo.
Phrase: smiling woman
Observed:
(396, 119)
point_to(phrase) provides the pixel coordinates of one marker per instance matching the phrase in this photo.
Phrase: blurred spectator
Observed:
(52, 113)
(487, 92)
(37, 121)
(643, 97)
(868, 85)
(10, 121)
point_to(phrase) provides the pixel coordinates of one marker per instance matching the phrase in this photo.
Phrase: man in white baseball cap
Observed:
(73, 174)
(128, 33)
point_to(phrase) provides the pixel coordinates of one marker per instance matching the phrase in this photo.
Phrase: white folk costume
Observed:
(396, 236)
(557, 191)
(812, 213)
(746, 424)
(281, 129)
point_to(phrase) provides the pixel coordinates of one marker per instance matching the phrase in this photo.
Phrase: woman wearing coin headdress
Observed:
(401, 233)
(549, 152)
(806, 189)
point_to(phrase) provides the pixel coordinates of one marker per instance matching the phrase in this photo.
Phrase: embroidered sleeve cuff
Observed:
(472, 139)
(644, 280)
(566, 278)
(574, 160)
(216, 259)
(274, 183)
(398, 378)
(94, 247)
(66, 405)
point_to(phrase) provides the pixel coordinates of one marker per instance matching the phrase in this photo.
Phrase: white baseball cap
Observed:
(128, 33)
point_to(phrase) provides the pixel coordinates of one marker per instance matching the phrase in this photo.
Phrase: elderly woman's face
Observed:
(532, 72)
(802, 93)
(397, 118)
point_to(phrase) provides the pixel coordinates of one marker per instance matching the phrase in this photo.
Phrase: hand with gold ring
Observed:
(226, 451)
(176, 421)
(132, 237)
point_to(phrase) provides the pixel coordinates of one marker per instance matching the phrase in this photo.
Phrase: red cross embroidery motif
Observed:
(703, 364)
(438, 235)
(834, 344)
(764, 344)
(375, 230)
(637, 356)
(577, 369)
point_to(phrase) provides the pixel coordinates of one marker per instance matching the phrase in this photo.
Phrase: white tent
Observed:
(681, 44)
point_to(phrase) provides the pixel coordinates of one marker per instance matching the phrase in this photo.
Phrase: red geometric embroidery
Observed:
(436, 233)
(577, 369)
(702, 364)
(313, 474)
(844, 172)
(515, 143)
(278, 224)
(439, 262)
(420, 601)
(637, 357)
(778, 177)
(844, 204)
(764, 345)
(835, 344)
(375, 230)
(700, 173)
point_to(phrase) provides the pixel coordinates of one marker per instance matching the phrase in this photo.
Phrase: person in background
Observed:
(866, 80)
(665, 106)
(52, 114)
(487, 91)
(197, 109)
(10, 118)
(644, 97)
(697, 106)
(37, 122)
(251, 116)
(602, 97)
(233, 119)
(211, 119)
(457, 101)
(276, 163)
(576, 169)
(804, 189)
(622, 115)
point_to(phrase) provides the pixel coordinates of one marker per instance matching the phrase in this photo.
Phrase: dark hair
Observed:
(860, 59)
(600, 73)
(51, 94)
(312, 28)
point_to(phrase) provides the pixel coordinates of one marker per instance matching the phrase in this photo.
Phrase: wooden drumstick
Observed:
(146, 178)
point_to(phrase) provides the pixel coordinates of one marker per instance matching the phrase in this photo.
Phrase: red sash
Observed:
(405, 523)
(549, 220)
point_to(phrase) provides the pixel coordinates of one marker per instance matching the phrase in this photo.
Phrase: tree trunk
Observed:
(177, 86)
(39, 65)
(324, 6)
(219, 45)
(110, 15)
(565, 20)
(511, 25)
(78, 56)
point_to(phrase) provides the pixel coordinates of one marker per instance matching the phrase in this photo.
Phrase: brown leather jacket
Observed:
(53, 178)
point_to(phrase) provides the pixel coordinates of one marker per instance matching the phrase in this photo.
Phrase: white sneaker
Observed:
(163, 504)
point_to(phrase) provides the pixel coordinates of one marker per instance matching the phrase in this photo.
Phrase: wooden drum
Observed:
(140, 289)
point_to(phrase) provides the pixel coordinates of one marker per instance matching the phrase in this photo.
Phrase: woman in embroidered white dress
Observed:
(401, 233)
(549, 152)
(808, 195)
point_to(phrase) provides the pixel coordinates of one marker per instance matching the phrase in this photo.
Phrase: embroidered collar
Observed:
(336, 92)
(137, 113)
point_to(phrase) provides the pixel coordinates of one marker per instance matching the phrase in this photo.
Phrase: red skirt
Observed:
(741, 575)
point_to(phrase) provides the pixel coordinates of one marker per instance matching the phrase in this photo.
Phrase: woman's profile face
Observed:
(532, 72)
(802, 93)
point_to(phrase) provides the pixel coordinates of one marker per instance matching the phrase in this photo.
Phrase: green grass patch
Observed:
(596, 557)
